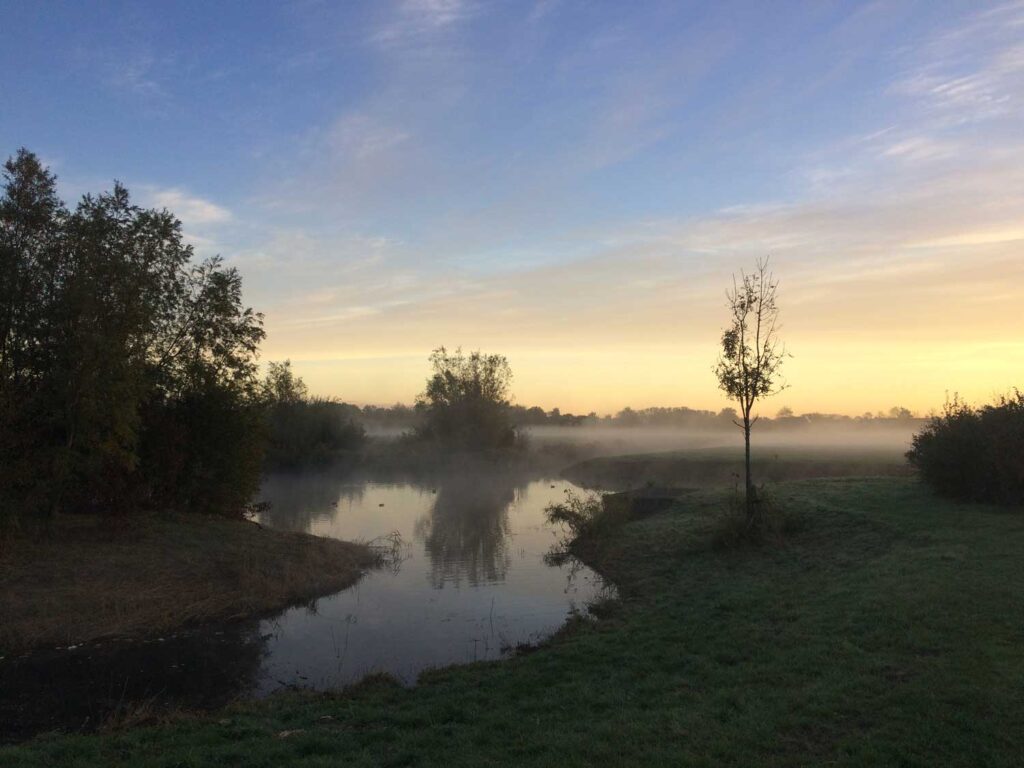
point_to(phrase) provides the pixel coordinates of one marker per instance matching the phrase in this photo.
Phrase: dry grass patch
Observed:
(91, 578)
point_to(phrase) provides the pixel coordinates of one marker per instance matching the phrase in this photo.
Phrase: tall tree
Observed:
(752, 354)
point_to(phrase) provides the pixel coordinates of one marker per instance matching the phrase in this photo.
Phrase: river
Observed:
(467, 580)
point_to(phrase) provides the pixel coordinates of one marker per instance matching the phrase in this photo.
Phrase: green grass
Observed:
(889, 630)
(707, 467)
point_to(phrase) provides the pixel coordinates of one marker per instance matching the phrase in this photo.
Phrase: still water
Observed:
(469, 581)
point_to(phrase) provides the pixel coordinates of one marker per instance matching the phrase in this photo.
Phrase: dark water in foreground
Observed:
(470, 583)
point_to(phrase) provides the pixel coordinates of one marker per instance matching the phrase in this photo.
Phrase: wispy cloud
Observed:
(191, 209)
(972, 72)
(135, 75)
(360, 137)
(418, 21)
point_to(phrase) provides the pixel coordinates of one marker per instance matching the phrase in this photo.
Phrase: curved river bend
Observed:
(471, 582)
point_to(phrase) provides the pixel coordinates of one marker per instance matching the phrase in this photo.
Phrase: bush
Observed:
(736, 527)
(589, 516)
(313, 431)
(974, 454)
(203, 451)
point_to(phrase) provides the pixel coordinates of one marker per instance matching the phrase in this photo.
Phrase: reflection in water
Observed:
(472, 583)
(466, 531)
(473, 580)
(296, 500)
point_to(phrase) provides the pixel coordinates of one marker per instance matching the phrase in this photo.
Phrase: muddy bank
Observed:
(91, 578)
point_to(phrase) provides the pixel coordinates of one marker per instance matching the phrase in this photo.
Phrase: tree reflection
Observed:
(466, 532)
(298, 499)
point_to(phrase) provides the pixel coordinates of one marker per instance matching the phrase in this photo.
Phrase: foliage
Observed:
(282, 387)
(302, 430)
(752, 355)
(466, 401)
(974, 454)
(581, 514)
(108, 328)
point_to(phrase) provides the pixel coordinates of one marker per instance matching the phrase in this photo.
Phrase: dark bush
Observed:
(974, 454)
(202, 451)
(311, 431)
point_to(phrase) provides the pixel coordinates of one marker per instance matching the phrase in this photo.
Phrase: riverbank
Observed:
(884, 631)
(91, 578)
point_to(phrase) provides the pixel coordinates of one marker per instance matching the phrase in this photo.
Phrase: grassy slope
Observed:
(153, 573)
(887, 632)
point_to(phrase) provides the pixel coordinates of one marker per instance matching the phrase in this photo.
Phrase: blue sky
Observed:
(569, 183)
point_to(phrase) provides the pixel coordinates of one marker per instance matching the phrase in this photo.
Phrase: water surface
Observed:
(470, 582)
(473, 581)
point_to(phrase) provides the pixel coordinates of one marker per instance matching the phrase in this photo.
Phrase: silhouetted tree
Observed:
(282, 386)
(466, 401)
(752, 355)
(111, 342)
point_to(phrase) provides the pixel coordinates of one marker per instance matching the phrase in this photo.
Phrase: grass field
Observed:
(888, 630)
(723, 466)
(92, 578)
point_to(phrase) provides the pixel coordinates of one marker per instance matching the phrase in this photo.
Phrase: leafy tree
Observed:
(107, 329)
(31, 216)
(752, 355)
(466, 401)
(282, 386)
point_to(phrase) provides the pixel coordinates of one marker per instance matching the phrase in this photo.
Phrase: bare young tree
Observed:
(752, 355)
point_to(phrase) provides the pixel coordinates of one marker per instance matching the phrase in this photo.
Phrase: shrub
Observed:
(736, 526)
(588, 516)
(311, 431)
(203, 451)
(974, 454)
(304, 430)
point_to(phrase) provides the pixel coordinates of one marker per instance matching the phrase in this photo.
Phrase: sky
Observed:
(571, 184)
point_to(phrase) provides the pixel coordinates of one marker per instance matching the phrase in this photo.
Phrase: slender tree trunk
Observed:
(750, 497)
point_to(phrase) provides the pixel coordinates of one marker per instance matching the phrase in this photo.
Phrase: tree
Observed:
(112, 341)
(282, 386)
(752, 355)
(466, 401)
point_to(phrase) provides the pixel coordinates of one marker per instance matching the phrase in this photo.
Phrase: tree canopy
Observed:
(111, 337)
(466, 401)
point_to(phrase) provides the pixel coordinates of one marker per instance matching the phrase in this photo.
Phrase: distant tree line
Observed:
(403, 417)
